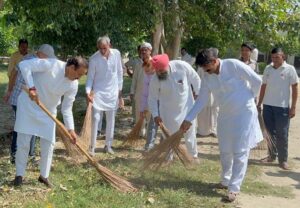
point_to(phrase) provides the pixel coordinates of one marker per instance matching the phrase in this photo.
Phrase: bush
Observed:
(261, 67)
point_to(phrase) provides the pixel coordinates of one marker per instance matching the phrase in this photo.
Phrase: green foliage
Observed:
(229, 23)
(73, 26)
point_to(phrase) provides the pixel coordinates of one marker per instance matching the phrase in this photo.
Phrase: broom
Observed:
(161, 153)
(267, 142)
(111, 178)
(134, 135)
(180, 149)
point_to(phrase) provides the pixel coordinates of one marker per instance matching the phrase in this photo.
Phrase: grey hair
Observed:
(206, 56)
(103, 39)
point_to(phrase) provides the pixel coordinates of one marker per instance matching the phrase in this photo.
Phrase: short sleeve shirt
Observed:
(278, 84)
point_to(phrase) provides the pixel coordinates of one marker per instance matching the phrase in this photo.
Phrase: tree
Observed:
(73, 26)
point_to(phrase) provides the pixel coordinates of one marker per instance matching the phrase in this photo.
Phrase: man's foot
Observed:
(213, 135)
(196, 161)
(12, 158)
(91, 151)
(284, 166)
(45, 181)
(108, 150)
(267, 159)
(231, 197)
(18, 181)
(220, 186)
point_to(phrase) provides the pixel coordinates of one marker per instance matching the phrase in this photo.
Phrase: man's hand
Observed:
(185, 126)
(89, 98)
(292, 112)
(142, 115)
(121, 103)
(33, 95)
(158, 120)
(6, 96)
(259, 108)
(73, 136)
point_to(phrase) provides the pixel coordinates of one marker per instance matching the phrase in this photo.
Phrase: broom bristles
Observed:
(267, 142)
(179, 149)
(85, 133)
(134, 135)
(161, 153)
(110, 177)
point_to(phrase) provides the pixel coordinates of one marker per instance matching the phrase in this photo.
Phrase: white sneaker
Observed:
(92, 152)
(108, 150)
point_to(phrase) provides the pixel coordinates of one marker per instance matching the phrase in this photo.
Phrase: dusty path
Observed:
(275, 175)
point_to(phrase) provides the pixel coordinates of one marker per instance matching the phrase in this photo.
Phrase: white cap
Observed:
(146, 45)
(47, 50)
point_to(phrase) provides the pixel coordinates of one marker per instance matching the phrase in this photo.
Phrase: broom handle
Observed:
(164, 129)
(65, 131)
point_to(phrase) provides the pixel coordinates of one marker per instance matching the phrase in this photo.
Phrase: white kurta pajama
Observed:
(238, 130)
(207, 118)
(137, 89)
(175, 99)
(105, 78)
(48, 77)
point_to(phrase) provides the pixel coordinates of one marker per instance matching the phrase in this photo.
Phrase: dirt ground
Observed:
(276, 176)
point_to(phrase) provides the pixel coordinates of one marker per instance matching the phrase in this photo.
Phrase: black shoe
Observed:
(45, 181)
(18, 181)
(12, 159)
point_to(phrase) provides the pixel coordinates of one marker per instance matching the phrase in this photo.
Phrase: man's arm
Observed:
(246, 73)
(292, 111)
(66, 110)
(193, 78)
(90, 80)
(261, 95)
(11, 84)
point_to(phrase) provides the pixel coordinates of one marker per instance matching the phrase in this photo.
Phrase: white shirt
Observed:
(105, 78)
(238, 128)
(279, 83)
(174, 94)
(137, 80)
(48, 77)
(188, 58)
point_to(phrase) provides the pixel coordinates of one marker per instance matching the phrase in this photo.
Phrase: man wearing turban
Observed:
(172, 88)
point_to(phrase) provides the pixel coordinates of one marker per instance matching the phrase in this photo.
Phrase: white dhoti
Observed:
(23, 143)
(110, 126)
(207, 118)
(234, 167)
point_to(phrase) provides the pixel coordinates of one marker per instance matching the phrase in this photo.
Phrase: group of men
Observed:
(163, 91)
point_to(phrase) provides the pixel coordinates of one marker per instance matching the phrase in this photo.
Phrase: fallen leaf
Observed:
(150, 200)
(63, 187)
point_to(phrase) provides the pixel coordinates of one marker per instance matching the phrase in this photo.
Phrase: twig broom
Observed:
(162, 152)
(134, 135)
(111, 178)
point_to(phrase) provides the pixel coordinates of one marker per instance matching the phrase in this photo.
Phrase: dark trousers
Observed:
(13, 147)
(277, 122)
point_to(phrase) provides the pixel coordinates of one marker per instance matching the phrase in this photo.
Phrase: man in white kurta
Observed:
(171, 87)
(105, 79)
(47, 80)
(238, 128)
(137, 83)
(133, 65)
(207, 118)
(187, 57)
